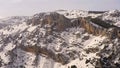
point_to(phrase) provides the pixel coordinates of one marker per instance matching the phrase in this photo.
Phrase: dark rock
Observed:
(22, 66)
(0, 63)
(73, 66)
(87, 61)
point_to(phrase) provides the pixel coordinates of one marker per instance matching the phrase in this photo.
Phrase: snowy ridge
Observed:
(77, 13)
(113, 15)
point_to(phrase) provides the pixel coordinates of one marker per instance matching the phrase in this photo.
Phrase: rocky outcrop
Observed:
(61, 58)
(98, 27)
(51, 21)
(92, 28)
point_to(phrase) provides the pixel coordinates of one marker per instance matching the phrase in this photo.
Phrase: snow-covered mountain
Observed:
(61, 39)
(12, 20)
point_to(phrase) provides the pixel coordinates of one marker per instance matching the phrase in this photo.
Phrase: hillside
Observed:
(62, 39)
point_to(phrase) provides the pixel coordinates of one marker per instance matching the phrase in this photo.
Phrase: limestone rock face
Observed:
(92, 28)
(52, 21)
(98, 27)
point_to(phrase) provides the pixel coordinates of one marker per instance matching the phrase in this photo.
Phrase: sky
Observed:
(30, 7)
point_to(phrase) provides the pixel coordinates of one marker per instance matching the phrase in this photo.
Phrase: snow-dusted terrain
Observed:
(77, 13)
(112, 16)
(12, 20)
(64, 40)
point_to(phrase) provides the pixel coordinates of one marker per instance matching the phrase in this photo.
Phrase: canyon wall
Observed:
(97, 29)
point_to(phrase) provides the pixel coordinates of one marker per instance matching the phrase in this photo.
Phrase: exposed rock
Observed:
(73, 66)
(99, 27)
(52, 21)
(49, 53)
(92, 50)
(92, 28)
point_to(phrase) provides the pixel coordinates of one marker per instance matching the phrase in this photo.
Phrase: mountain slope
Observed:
(51, 40)
(12, 20)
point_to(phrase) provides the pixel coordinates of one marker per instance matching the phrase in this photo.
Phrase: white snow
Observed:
(77, 13)
(14, 28)
(10, 46)
(31, 28)
(93, 42)
(4, 57)
(118, 24)
(110, 15)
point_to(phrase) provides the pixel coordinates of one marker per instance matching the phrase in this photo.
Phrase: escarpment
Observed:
(98, 27)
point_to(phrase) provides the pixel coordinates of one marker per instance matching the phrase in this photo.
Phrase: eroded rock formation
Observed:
(98, 27)
(53, 21)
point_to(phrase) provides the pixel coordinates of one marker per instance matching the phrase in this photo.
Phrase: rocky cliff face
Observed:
(50, 40)
(98, 27)
(53, 21)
